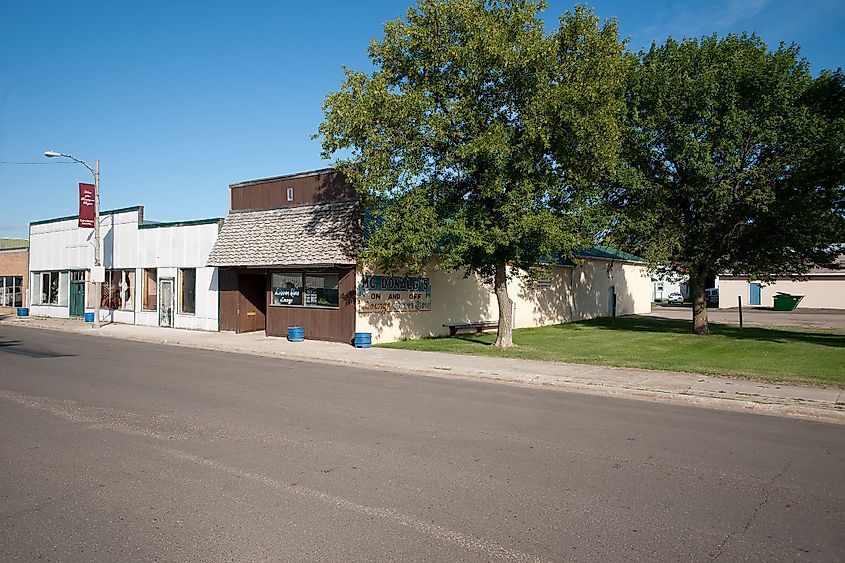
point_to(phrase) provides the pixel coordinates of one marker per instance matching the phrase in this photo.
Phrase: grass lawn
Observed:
(787, 354)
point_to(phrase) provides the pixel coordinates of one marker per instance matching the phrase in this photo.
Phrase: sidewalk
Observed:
(822, 404)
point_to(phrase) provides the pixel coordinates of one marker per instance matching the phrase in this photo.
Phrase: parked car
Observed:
(675, 299)
(712, 296)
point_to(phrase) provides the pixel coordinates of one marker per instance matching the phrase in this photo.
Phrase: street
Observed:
(119, 450)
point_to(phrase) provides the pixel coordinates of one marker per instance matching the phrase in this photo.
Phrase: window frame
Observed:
(180, 306)
(125, 282)
(147, 284)
(303, 275)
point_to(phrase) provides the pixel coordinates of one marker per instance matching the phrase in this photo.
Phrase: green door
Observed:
(76, 303)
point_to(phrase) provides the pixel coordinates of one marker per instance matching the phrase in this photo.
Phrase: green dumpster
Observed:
(787, 302)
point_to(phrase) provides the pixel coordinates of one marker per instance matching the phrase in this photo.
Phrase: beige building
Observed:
(572, 292)
(822, 288)
(14, 268)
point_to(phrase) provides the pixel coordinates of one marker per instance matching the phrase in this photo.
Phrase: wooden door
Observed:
(252, 302)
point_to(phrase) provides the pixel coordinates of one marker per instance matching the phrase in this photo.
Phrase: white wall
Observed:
(456, 299)
(128, 244)
(820, 291)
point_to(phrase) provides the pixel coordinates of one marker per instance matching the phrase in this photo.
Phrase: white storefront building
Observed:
(155, 273)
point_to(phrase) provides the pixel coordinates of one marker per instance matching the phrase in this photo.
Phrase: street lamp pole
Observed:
(96, 172)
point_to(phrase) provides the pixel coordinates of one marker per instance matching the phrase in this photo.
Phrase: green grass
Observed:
(782, 354)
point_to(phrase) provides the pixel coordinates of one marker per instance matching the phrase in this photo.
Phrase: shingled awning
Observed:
(310, 235)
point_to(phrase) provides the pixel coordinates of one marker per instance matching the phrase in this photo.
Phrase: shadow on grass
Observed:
(625, 324)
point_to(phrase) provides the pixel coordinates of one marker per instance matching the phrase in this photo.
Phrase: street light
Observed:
(96, 172)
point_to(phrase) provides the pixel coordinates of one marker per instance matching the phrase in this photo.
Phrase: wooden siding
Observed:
(228, 289)
(320, 187)
(335, 325)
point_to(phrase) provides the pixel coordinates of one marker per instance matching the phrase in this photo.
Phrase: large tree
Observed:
(734, 161)
(479, 137)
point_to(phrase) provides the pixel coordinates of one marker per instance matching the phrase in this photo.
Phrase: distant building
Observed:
(14, 264)
(666, 281)
(155, 272)
(822, 288)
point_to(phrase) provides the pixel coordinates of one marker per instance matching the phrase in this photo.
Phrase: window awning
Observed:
(320, 234)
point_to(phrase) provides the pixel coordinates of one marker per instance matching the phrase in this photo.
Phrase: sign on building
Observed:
(393, 294)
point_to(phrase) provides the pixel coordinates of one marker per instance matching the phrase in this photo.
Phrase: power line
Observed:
(33, 163)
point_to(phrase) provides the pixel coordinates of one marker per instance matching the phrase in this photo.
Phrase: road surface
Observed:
(118, 450)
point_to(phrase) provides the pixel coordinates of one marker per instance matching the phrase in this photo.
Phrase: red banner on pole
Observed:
(86, 206)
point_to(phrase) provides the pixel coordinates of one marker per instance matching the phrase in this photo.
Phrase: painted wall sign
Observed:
(393, 294)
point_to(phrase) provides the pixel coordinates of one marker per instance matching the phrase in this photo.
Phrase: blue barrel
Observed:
(296, 333)
(89, 317)
(23, 311)
(363, 339)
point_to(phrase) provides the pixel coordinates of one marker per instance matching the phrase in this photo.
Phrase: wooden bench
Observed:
(478, 327)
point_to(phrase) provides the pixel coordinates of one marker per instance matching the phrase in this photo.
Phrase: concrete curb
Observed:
(596, 380)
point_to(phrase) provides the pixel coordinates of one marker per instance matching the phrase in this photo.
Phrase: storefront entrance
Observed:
(166, 302)
(252, 302)
(76, 301)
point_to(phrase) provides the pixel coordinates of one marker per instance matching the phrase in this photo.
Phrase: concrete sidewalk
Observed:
(822, 404)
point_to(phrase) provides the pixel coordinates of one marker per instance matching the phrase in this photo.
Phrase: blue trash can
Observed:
(23, 311)
(89, 317)
(363, 339)
(296, 333)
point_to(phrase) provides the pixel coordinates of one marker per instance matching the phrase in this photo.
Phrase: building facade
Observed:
(14, 278)
(286, 255)
(822, 288)
(155, 273)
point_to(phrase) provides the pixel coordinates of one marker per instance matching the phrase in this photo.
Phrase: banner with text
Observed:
(393, 294)
(86, 206)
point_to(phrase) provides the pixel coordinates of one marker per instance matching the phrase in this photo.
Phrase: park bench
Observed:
(478, 327)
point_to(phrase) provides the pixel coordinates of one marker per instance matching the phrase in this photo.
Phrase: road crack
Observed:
(763, 502)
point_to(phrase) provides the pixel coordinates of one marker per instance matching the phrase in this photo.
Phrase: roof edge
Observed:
(138, 208)
(283, 177)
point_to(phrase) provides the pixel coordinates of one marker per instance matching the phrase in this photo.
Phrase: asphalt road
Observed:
(115, 450)
(758, 316)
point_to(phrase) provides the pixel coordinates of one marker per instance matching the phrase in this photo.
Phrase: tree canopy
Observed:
(480, 138)
(734, 160)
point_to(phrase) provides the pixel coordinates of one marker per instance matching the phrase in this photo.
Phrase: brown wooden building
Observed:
(286, 256)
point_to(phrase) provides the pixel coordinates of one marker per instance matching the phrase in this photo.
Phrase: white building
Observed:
(156, 273)
(666, 281)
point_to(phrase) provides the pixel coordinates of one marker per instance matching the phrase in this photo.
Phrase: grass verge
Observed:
(778, 354)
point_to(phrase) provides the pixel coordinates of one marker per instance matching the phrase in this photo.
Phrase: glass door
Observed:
(166, 302)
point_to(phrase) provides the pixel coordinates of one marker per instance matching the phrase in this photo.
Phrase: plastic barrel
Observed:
(23, 312)
(89, 317)
(363, 339)
(296, 333)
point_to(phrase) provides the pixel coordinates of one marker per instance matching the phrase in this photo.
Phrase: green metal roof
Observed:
(13, 243)
(608, 253)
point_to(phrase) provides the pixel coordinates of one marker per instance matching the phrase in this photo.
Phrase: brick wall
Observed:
(15, 263)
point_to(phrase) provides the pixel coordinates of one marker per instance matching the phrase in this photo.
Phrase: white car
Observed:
(675, 299)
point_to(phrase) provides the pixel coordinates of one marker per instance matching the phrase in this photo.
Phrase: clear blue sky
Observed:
(180, 99)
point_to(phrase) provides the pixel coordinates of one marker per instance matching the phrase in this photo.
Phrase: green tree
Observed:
(479, 137)
(734, 160)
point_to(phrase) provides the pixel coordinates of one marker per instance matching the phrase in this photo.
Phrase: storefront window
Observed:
(150, 284)
(287, 289)
(11, 291)
(117, 292)
(321, 290)
(49, 288)
(188, 290)
(311, 290)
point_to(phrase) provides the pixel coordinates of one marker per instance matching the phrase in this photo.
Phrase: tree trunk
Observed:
(504, 338)
(699, 303)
